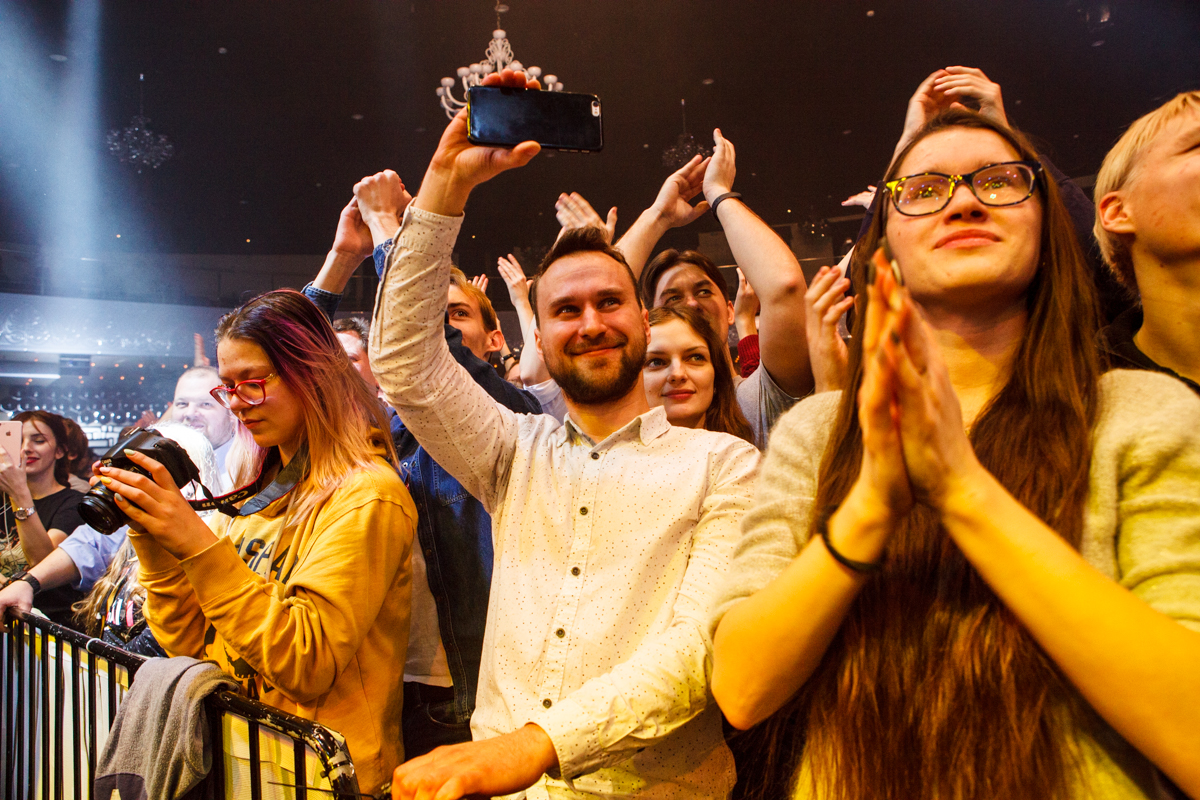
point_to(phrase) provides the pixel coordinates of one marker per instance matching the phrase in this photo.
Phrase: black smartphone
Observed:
(498, 115)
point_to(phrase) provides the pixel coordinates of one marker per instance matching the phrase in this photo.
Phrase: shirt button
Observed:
(546, 703)
(595, 456)
(560, 633)
(575, 571)
(583, 511)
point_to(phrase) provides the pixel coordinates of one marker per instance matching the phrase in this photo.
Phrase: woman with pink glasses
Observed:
(304, 596)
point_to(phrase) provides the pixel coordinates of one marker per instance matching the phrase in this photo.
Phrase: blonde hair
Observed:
(459, 279)
(1120, 168)
(91, 610)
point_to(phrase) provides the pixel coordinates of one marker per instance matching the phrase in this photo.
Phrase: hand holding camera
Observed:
(144, 491)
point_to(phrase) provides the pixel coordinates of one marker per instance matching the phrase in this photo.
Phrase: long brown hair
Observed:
(58, 429)
(932, 688)
(724, 414)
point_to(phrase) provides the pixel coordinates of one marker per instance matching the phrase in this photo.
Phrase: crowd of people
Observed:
(932, 530)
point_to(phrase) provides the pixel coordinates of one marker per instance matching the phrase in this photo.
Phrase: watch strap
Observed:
(24, 575)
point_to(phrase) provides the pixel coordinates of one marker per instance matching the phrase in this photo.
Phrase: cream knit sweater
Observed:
(1141, 527)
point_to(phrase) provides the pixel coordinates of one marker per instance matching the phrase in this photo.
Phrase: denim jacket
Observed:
(454, 531)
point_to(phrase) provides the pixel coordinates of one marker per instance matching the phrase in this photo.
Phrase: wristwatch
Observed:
(23, 514)
(24, 575)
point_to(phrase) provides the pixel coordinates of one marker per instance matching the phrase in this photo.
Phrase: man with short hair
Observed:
(611, 531)
(194, 406)
(1148, 226)
(354, 334)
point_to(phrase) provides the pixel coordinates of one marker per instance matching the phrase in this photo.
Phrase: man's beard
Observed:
(587, 387)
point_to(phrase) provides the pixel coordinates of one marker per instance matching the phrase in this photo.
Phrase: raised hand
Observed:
(938, 456)
(745, 307)
(673, 205)
(353, 236)
(882, 490)
(459, 166)
(199, 357)
(382, 199)
(572, 211)
(962, 83)
(864, 198)
(722, 168)
(824, 304)
(514, 279)
(947, 88)
(480, 282)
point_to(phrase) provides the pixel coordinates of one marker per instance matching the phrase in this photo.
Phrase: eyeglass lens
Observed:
(250, 392)
(999, 185)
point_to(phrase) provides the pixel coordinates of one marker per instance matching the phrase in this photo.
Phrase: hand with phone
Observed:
(458, 166)
(13, 480)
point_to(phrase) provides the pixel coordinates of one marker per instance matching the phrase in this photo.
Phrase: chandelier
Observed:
(686, 147)
(498, 56)
(136, 144)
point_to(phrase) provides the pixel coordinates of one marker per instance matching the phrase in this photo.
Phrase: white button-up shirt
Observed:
(607, 555)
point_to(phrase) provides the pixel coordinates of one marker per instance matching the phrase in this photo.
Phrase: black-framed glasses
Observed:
(252, 391)
(1004, 184)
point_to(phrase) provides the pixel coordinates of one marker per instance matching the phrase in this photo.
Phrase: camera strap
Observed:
(262, 497)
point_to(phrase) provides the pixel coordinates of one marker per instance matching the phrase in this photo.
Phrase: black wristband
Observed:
(720, 199)
(865, 567)
(32, 581)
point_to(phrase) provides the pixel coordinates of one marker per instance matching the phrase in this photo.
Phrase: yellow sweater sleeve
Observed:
(171, 608)
(301, 634)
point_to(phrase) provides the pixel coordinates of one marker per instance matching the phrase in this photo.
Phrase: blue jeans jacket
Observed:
(453, 530)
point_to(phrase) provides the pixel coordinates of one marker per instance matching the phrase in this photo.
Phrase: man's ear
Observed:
(537, 342)
(729, 315)
(495, 342)
(1115, 214)
(646, 321)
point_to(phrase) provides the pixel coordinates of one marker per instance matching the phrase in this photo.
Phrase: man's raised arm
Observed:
(460, 425)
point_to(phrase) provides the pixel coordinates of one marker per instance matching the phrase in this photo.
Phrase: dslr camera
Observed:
(99, 506)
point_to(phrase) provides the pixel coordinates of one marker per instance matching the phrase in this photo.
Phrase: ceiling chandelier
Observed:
(136, 144)
(686, 147)
(498, 56)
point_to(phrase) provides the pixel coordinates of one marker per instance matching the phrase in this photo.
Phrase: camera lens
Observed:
(99, 509)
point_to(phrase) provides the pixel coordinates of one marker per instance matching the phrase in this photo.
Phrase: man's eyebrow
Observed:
(458, 305)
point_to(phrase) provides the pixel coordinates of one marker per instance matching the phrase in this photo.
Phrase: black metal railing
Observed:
(59, 695)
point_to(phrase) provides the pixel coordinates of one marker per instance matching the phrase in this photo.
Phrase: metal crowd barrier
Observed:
(59, 694)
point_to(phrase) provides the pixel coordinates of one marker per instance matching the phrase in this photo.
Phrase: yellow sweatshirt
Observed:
(326, 639)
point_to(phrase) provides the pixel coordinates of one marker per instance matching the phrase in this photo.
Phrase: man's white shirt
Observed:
(608, 554)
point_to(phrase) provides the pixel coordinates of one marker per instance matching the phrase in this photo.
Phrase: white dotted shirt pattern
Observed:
(607, 555)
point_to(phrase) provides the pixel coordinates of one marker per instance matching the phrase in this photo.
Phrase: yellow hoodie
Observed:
(311, 619)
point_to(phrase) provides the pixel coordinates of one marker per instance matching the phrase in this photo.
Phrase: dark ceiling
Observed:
(261, 99)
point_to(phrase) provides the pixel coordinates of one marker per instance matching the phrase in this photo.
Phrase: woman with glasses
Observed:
(304, 596)
(973, 573)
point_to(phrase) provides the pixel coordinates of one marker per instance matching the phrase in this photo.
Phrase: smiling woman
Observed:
(994, 544)
(682, 375)
(39, 510)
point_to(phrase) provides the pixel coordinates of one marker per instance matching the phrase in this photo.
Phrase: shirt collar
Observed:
(646, 427)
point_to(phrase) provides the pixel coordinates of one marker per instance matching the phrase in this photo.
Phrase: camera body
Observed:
(99, 506)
